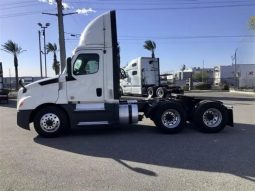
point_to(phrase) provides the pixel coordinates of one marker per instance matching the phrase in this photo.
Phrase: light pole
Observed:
(44, 41)
(236, 76)
(40, 52)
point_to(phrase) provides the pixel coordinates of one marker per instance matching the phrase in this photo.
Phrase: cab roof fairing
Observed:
(97, 34)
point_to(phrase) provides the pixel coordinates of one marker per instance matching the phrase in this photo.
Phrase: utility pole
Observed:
(40, 52)
(61, 35)
(236, 85)
(203, 71)
(10, 76)
(61, 32)
(44, 42)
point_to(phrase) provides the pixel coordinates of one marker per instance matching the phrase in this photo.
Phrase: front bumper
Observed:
(23, 118)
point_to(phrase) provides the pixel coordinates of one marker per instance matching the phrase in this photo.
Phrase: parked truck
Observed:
(141, 77)
(87, 93)
(1, 78)
(3, 93)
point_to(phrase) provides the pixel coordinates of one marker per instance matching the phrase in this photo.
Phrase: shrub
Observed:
(225, 87)
(203, 86)
(4, 91)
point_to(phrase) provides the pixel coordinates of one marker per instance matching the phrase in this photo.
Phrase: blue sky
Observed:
(185, 31)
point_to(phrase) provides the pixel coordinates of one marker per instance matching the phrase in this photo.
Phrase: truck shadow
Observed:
(231, 151)
(228, 98)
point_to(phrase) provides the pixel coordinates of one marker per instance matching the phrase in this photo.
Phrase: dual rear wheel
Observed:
(209, 117)
(159, 92)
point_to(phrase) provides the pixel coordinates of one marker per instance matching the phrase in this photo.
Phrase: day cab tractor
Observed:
(87, 93)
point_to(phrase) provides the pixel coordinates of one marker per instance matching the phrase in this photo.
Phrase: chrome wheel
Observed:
(212, 117)
(171, 118)
(50, 122)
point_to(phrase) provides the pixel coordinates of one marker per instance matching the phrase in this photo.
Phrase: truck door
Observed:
(87, 70)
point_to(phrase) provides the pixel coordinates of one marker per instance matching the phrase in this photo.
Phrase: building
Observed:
(10, 82)
(203, 74)
(246, 75)
(183, 75)
(224, 75)
(241, 75)
(167, 78)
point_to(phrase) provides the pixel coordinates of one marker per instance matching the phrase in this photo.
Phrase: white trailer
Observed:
(141, 77)
(87, 93)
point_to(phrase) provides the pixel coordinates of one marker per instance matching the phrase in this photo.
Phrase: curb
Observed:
(242, 92)
(204, 91)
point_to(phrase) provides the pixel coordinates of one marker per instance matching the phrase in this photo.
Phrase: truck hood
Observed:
(38, 92)
(42, 82)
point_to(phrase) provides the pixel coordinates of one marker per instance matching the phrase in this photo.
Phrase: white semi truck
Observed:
(87, 93)
(141, 77)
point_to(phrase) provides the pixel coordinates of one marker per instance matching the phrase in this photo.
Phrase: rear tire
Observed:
(150, 92)
(50, 121)
(210, 117)
(170, 118)
(161, 92)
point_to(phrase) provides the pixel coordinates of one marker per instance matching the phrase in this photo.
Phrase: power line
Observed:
(164, 2)
(20, 6)
(16, 3)
(185, 37)
(168, 3)
(179, 8)
(23, 13)
(142, 9)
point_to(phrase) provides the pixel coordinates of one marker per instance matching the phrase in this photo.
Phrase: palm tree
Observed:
(252, 22)
(14, 49)
(183, 67)
(151, 46)
(53, 48)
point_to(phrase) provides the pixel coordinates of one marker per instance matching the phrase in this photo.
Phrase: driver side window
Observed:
(86, 64)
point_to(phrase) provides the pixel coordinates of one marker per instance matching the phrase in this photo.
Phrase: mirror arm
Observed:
(22, 85)
(69, 76)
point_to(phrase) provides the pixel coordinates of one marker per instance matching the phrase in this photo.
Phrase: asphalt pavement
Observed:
(135, 157)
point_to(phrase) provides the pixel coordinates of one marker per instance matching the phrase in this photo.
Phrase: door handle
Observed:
(99, 92)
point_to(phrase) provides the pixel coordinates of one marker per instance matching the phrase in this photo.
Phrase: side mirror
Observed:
(69, 76)
(21, 83)
(68, 66)
(123, 74)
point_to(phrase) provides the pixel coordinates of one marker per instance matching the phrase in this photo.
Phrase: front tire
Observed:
(170, 118)
(50, 121)
(210, 117)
